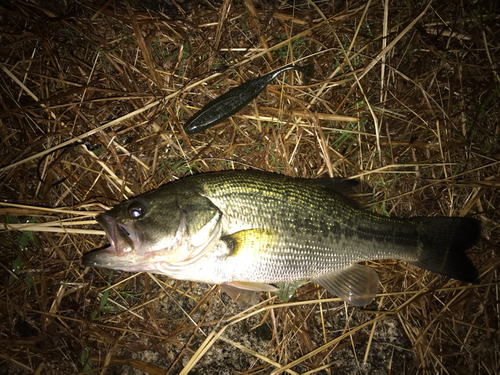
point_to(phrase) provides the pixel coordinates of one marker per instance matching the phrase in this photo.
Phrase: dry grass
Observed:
(405, 97)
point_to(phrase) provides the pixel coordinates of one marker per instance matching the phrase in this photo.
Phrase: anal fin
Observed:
(356, 284)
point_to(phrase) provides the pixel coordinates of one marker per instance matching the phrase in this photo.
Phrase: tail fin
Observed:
(445, 240)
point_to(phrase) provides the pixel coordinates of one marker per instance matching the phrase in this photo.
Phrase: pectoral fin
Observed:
(356, 284)
(246, 294)
(251, 242)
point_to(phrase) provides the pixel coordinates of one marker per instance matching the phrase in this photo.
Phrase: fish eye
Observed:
(136, 211)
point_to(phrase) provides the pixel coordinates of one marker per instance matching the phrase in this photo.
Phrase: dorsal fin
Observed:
(349, 189)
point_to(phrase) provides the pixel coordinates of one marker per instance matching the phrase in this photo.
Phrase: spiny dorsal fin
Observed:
(349, 189)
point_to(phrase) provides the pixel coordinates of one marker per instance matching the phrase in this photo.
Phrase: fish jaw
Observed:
(107, 258)
(122, 239)
(125, 251)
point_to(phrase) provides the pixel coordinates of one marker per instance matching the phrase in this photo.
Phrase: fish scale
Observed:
(297, 211)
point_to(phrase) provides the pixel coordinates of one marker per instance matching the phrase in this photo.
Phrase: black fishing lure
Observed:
(235, 99)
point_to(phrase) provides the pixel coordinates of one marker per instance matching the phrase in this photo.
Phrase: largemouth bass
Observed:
(248, 230)
(235, 100)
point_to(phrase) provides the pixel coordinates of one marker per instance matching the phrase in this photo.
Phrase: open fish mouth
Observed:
(122, 253)
(121, 239)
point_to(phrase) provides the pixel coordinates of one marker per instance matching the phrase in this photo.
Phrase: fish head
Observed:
(147, 232)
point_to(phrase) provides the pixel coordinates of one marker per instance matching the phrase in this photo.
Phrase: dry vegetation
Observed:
(93, 96)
